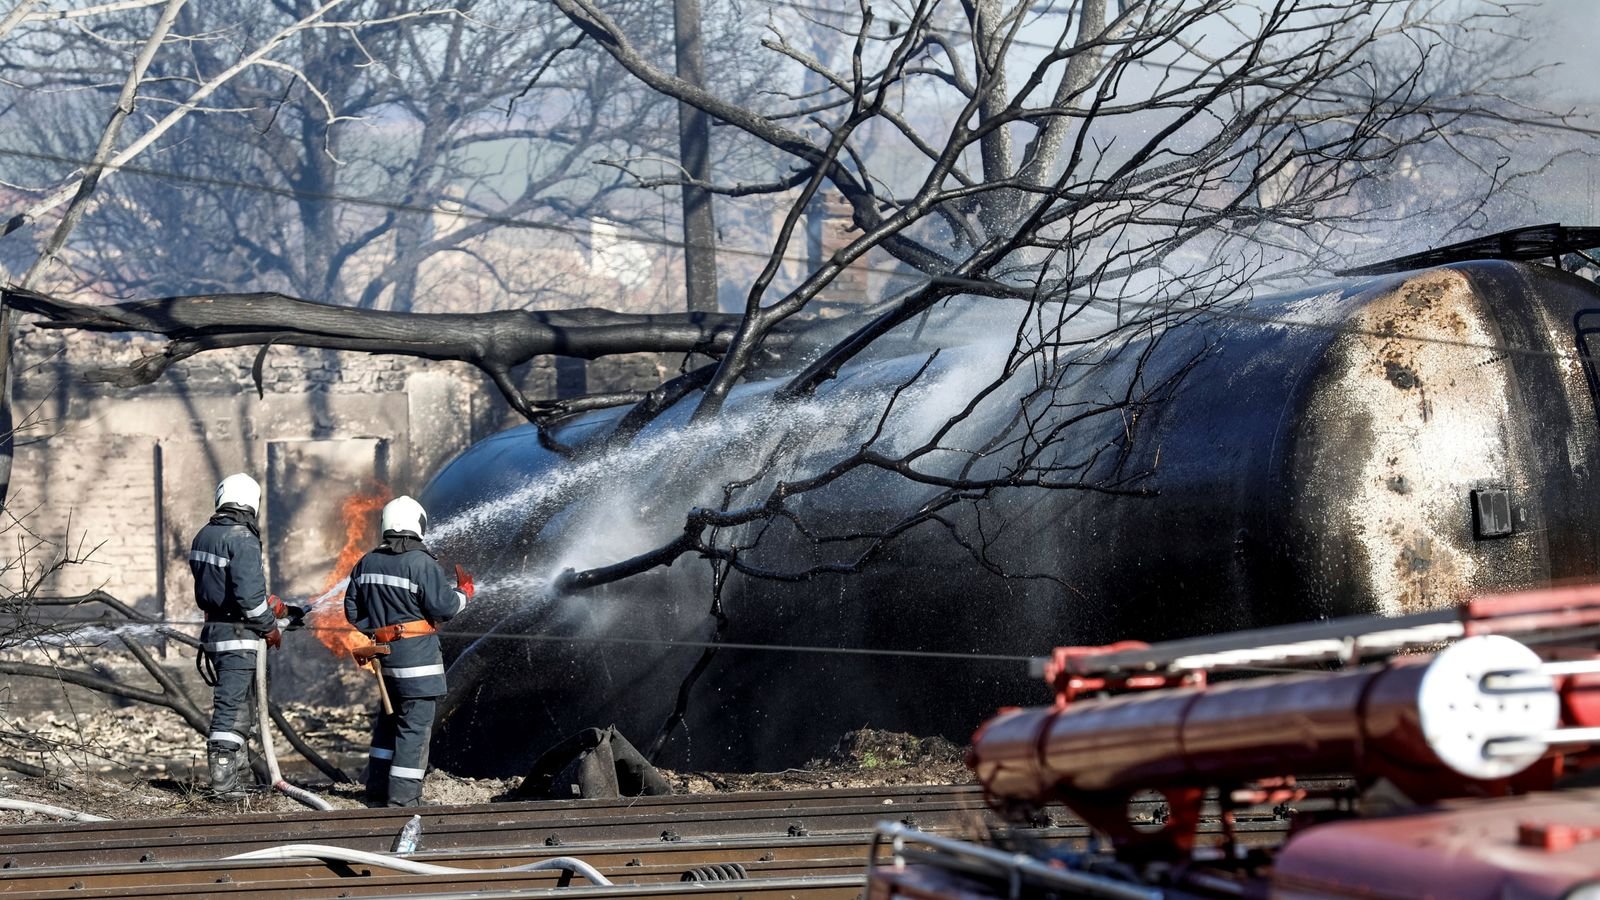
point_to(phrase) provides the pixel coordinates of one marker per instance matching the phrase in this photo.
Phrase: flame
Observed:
(359, 513)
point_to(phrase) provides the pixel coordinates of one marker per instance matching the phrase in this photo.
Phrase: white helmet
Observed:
(404, 514)
(240, 490)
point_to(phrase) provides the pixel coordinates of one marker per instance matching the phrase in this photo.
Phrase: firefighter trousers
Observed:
(232, 706)
(399, 756)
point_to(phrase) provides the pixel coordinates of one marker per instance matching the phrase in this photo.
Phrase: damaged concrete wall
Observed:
(126, 475)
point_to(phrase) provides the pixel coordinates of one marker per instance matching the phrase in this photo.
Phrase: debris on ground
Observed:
(144, 762)
(863, 758)
(595, 763)
(143, 741)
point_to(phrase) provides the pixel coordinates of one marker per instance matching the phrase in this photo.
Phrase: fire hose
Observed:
(304, 796)
(324, 852)
(45, 809)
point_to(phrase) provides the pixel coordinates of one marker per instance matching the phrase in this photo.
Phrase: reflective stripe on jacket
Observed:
(389, 587)
(231, 645)
(229, 585)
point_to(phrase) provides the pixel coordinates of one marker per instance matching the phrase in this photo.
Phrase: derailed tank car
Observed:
(1386, 445)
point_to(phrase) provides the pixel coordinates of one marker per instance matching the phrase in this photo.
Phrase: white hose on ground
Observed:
(304, 796)
(324, 852)
(45, 809)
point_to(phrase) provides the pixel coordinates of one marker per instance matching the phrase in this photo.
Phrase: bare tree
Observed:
(419, 111)
(29, 50)
(367, 159)
(1162, 156)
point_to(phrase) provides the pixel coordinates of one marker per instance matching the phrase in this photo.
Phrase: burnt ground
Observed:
(142, 762)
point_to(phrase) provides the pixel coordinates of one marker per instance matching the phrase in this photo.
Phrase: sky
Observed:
(1567, 35)
(1570, 31)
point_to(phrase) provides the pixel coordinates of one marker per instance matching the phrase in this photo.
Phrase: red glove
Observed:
(274, 639)
(464, 582)
(276, 604)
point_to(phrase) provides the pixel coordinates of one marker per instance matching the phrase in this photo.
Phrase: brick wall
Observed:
(99, 500)
(130, 471)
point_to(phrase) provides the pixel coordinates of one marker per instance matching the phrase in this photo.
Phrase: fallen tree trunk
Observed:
(495, 341)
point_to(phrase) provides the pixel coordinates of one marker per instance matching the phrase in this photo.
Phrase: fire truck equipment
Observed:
(1448, 724)
(1462, 727)
(1454, 717)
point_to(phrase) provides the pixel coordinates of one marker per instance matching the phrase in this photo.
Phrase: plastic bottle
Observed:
(408, 838)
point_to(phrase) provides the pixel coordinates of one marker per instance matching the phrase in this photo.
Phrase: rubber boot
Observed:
(405, 792)
(224, 766)
(377, 782)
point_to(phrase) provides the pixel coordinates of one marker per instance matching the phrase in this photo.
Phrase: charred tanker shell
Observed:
(1387, 446)
(1330, 466)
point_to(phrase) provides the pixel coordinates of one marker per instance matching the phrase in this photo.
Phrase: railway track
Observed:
(678, 857)
(551, 825)
(803, 844)
(262, 885)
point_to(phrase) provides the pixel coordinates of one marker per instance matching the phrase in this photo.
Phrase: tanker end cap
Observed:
(1478, 725)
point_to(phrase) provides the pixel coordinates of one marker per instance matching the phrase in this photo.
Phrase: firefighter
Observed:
(242, 620)
(397, 594)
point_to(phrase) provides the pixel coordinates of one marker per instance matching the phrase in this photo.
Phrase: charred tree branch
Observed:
(25, 768)
(84, 679)
(492, 341)
(304, 749)
(180, 701)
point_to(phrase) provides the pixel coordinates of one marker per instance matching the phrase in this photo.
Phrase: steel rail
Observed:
(187, 840)
(640, 863)
(392, 819)
(545, 831)
(385, 885)
(679, 853)
(845, 882)
(842, 887)
(677, 856)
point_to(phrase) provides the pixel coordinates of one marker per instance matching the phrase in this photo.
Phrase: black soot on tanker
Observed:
(1385, 445)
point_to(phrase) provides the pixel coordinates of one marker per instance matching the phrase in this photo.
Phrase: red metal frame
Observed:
(1130, 717)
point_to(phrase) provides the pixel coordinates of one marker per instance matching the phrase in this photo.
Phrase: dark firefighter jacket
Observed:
(400, 582)
(229, 586)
